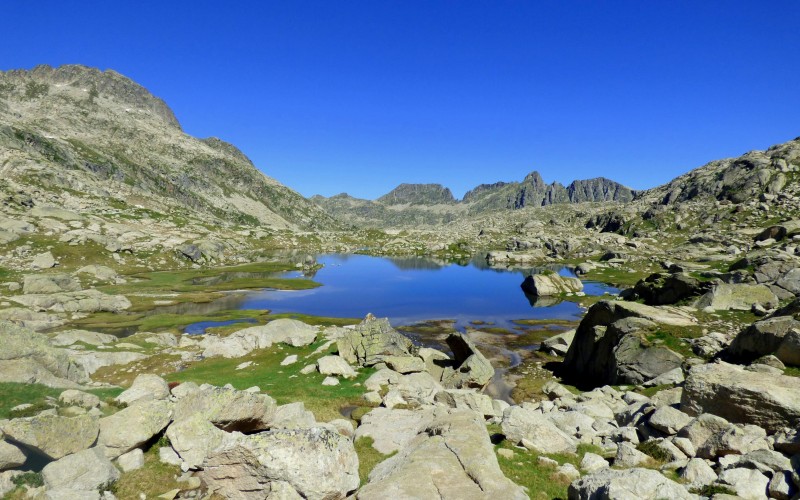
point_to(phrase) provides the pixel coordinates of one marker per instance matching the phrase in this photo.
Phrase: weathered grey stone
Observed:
(470, 368)
(761, 338)
(100, 273)
(699, 430)
(242, 342)
(628, 484)
(610, 345)
(132, 460)
(10, 456)
(535, 431)
(788, 351)
(69, 337)
(28, 357)
(698, 473)
(736, 440)
(73, 397)
(739, 296)
(592, 463)
(628, 456)
(781, 486)
(335, 365)
(91, 361)
(85, 301)
(392, 429)
(134, 426)
(318, 463)
(194, 438)
(552, 283)
(228, 409)
(293, 416)
(466, 399)
(43, 260)
(51, 435)
(451, 459)
(87, 470)
(405, 364)
(669, 420)
(769, 401)
(49, 283)
(372, 340)
(747, 483)
(145, 387)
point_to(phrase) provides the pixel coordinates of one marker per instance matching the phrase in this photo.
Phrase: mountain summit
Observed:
(102, 134)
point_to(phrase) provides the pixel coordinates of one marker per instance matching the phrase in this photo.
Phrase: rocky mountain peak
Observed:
(418, 194)
(45, 82)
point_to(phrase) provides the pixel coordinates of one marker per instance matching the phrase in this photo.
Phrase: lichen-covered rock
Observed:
(336, 366)
(88, 470)
(318, 463)
(242, 342)
(742, 396)
(535, 431)
(28, 357)
(84, 301)
(392, 429)
(543, 285)
(738, 296)
(627, 484)
(145, 387)
(52, 435)
(228, 409)
(10, 456)
(766, 337)
(372, 340)
(194, 438)
(470, 368)
(134, 426)
(49, 283)
(451, 459)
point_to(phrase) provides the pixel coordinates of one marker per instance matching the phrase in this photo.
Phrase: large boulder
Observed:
(194, 438)
(768, 336)
(372, 340)
(611, 344)
(69, 337)
(88, 470)
(662, 289)
(317, 463)
(11, 456)
(550, 283)
(392, 429)
(452, 458)
(134, 426)
(228, 409)
(738, 395)
(469, 369)
(531, 429)
(737, 296)
(28, 357)
(49, 283)
(628, 484)
(52, 435)
(146, 387)
(240, 343)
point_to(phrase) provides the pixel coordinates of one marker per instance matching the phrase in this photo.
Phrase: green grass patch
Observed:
(284, 383)
(368, 457)
(153, 479)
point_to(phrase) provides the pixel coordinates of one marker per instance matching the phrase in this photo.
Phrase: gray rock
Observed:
(669, 420)
(736, 440)
(470, 368)
(28, 357)
(739, 296)
(372, 340)
(242, 342)
(69, 337)
(132, 460)
(145, 387)
(392, 429)
(228, 409)
(781, 486)
(788, 351)
(194, 438)
(628, 456)
(100, 273)
(747, 483)
(87, 470)
(52, 435)
(698, 473)
(536, 432)
(628, 484)
(467, 399)
(73, 397)
(10, 456)
(699, 430)
(769, 401)
(405, 364)
(318, 463)
(335, 365)
(593, 463)
(542, 285)
(452, 458)
(762, 338)
(43, 261)
(49, 283)
(134, 426)
(85, 301)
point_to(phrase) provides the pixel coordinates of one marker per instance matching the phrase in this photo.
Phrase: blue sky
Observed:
(359, 96)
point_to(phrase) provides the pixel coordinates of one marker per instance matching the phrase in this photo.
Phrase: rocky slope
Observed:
(418, 194)
(100, 135)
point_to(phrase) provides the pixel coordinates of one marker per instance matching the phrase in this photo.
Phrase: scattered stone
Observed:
(145, 387)
(551, 283)
(52, 435)
(132, 460)
(371, 341)
(134, 426)
(643, 484)
(87, 470)
(336, 366)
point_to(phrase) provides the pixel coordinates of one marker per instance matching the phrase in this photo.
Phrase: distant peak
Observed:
(418, 194)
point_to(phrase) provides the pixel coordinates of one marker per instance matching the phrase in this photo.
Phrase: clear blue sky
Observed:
(358, 96)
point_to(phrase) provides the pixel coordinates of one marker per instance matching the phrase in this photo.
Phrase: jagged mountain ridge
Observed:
(430, 204)
(102, 134)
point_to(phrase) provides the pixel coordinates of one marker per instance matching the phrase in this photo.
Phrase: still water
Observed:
(411, 290)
